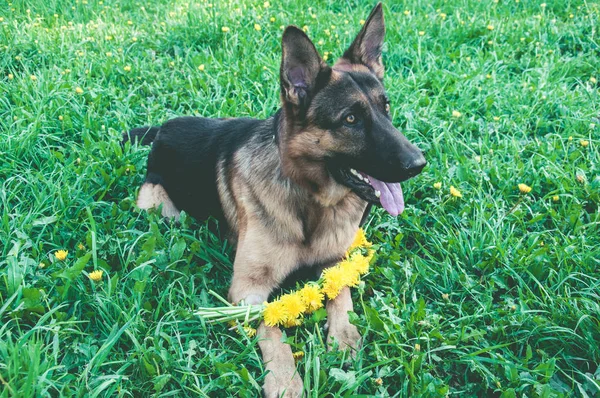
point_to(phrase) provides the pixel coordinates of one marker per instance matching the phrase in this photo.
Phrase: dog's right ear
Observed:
(301, 67)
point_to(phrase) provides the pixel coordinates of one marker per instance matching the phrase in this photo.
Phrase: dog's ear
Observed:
(366, 47)
(301, 67)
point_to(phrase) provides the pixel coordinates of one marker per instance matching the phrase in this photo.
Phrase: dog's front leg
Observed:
(282, 379)
(259, 268)
(339, 328)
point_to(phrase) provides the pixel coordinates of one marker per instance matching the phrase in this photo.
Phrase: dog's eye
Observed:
(350, 119)
(387, 107)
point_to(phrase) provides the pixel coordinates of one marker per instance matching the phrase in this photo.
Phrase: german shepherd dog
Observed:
(291, 189)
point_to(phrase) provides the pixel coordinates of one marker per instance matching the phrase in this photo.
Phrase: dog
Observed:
(293, 189)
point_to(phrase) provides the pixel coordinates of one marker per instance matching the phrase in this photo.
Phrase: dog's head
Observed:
(337, 124)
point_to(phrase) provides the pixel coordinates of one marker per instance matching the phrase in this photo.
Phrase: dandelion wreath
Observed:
(289, 309)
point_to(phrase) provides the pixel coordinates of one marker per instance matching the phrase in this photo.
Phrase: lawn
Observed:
(495, 293)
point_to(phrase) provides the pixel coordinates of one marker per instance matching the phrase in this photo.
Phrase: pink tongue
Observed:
(391, 195)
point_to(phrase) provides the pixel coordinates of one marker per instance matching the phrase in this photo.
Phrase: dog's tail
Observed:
(143, 135)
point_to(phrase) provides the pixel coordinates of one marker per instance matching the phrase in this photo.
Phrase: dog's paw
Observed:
(346, 336)
(282, 384)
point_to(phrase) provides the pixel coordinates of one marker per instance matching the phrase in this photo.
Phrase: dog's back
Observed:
(182, 165)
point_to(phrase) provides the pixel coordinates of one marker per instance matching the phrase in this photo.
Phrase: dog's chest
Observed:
(329, 231)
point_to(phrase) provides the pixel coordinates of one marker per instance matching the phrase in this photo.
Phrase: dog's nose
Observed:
(416, 165)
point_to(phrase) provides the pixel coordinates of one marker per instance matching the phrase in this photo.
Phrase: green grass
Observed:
(500, 290)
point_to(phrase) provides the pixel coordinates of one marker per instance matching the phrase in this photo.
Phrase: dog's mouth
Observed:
(388, 194)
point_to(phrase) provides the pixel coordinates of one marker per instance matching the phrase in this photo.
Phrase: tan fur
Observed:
(154, 195)
(283, 379)
(340, 331)
(273, 242)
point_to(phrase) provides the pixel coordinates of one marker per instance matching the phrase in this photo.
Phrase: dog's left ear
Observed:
(366, 47)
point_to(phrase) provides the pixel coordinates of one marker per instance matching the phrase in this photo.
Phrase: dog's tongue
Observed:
(391, 195)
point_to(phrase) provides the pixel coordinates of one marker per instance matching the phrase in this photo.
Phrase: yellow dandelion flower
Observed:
(291, 323)
(224, 29)
(42, 265)
(446, 296)
(80, 246)
(250, 331)
(524, 188)
(134, 38)
(96, 275)
(570, 138)
(78, 90)
(407, 12)
(360, 263)
(257, 26)
(201, 67)
(298, 355)
(33, 77)
(108, 37)
(127, 68)
(417, 347)
(11, 76)
(350, 268)
(293, 304)
(351, 278)
(584, 143)
(581, 178)
(593, 80)
(437, 185)
(490, 27)
(360, 240)
(456, 114)
(496, 118)
(129, 22)
(272, 19)
(555, 198)
(378, 381)
(455, 192)
(274, 313)
(312, 297)
(266, 4)
(421, 33)
(305, 28)
(362, 22)
(61, 255)
(333, 281)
